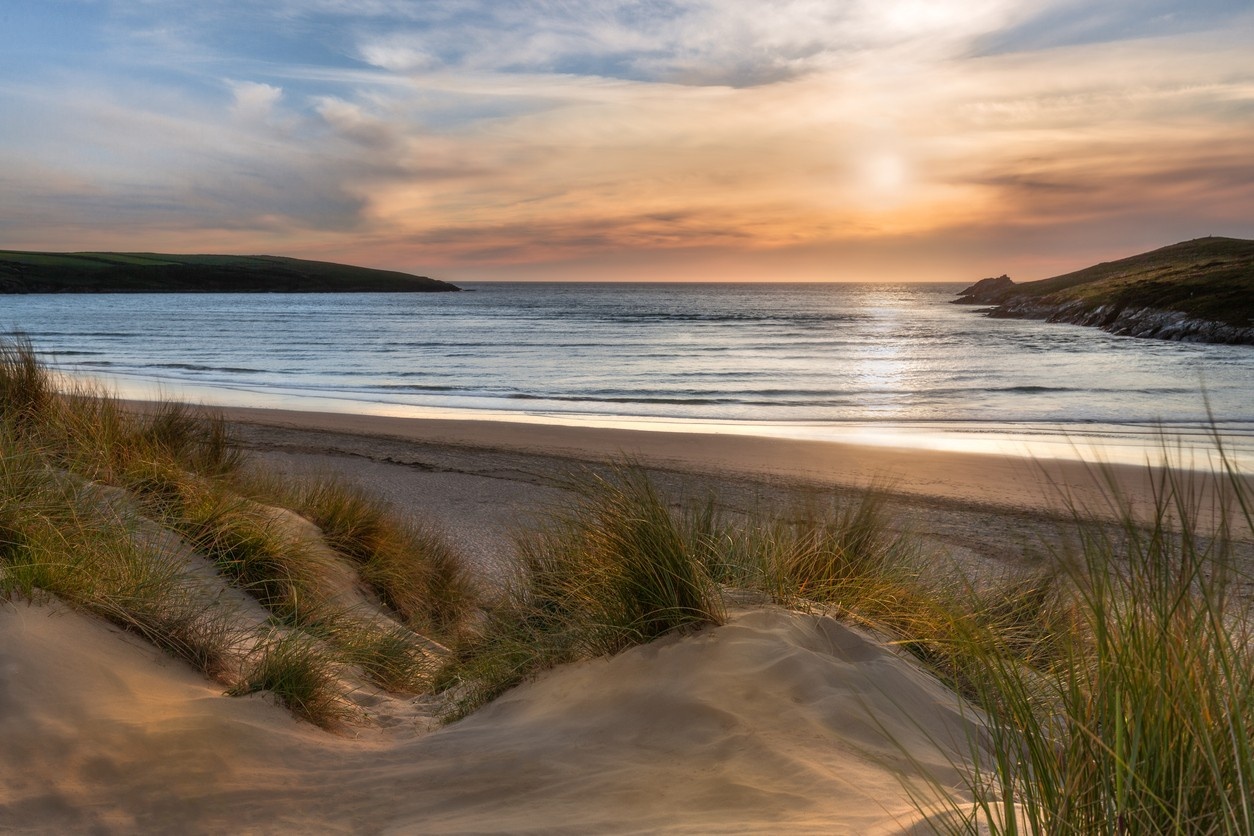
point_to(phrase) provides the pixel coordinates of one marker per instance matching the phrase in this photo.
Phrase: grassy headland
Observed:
(1114, 680)
(36, 272)
(1201, 290)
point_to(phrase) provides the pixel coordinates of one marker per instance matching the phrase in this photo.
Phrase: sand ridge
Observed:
(777, 720)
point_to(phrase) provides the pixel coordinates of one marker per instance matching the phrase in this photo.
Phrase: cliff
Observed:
(36, 272)
(1195, 291)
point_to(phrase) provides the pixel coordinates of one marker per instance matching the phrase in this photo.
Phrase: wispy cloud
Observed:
(254, 101)
(485, 138)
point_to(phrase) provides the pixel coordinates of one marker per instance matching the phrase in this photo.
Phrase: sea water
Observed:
(877, 363)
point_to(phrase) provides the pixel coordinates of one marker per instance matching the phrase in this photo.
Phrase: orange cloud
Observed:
(885, 139)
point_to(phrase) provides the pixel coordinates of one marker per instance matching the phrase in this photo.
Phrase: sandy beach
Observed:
(776, 721)
(481, 478)
(969, 479)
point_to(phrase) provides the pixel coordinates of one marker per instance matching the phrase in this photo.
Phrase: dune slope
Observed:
(777, 720)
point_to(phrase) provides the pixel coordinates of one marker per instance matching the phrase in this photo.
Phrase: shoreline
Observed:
(973, 480)
(1131, 442)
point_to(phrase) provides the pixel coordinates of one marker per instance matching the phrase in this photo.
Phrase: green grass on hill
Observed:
(36, 272)
(1207, 278)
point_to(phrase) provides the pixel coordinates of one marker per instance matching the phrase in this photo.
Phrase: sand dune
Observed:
(774, 721)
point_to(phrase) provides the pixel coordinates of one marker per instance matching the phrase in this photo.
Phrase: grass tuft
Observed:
(56, 538)
(250, 548)
(391, 658)
(26, 391)
(410, 566)
(295, 669)
(1138, 717)
(613, 571)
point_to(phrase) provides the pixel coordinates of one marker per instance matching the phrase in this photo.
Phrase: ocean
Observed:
(873, 363)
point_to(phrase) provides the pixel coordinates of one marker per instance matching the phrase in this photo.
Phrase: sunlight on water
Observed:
(1189, 446)
(876, 364)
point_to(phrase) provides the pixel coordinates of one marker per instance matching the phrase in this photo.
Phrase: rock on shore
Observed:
(1196, 291)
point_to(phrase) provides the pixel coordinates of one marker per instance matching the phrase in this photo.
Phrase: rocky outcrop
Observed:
(1126, 321)
(1195, 291)
(986, 292)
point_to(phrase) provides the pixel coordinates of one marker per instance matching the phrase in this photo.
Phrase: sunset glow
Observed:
(684, 140)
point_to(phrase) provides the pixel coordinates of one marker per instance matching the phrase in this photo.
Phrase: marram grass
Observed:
(613, 570)
(101, 506)
(408, 564)
(1140, 718)
(299, 673)
(57, 538)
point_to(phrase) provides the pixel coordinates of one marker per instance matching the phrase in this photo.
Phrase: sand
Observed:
(774, 722)
(483, 480)
(1001, 481)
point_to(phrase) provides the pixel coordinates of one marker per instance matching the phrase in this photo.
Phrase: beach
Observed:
(484, 474)
(776, 720)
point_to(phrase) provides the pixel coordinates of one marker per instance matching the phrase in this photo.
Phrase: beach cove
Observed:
(627, 417)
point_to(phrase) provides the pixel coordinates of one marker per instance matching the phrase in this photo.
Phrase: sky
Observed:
(680, 140)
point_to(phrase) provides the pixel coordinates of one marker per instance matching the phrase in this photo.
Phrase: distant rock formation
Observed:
(986, 292)
(38, 272)
(1195, 291)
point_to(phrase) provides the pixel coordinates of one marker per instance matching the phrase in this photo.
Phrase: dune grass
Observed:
(247, 547)
(56, 538)
(93, 496)
(842, 554)
(1146, 725)
(299, 673)
(82, 429)
(409, 564)
(26, 391)
(611, 571)
(622, 567)
(1114, 682)
(392, 657)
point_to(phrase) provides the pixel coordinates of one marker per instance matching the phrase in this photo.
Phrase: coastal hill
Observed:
(1196, 291)
(36, 272)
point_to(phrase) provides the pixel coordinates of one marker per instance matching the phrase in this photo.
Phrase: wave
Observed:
(196, 367)
(819, 354)
(75, 334)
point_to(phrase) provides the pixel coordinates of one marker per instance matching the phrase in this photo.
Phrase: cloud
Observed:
(1075, 22)
(477, 134)
(396, 55)
(703, 42)
(352, 122)
(254, 102)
